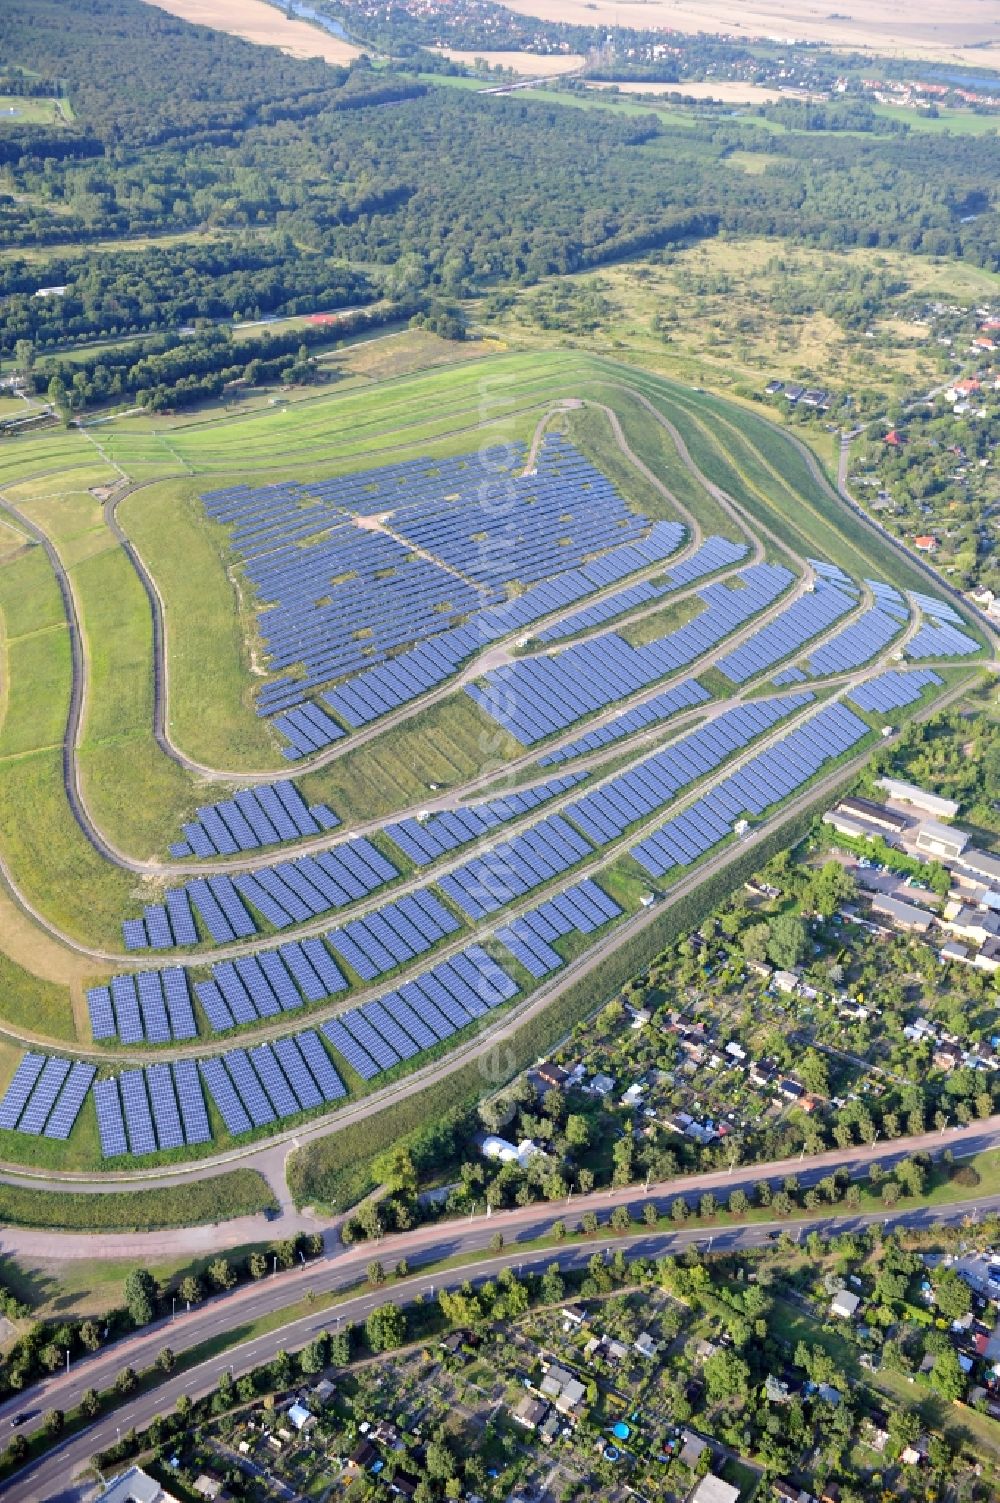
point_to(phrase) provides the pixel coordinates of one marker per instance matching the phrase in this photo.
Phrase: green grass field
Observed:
(20, 109)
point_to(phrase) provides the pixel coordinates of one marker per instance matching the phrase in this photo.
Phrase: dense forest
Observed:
(288, 186)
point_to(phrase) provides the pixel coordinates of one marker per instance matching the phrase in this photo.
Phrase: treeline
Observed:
(171, 371)
(846, 114)
(135, 292)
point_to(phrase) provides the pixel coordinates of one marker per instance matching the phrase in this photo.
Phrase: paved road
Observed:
(50, 1478)
(441, 1240)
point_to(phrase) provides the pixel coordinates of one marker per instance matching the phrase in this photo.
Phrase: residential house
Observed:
(844, 1304)
(301, 1418)
(646, 1346)
(135, 1486)
(712, 1489)
(692, 1446)
(563, 1388)
(787, 981)
(529, 1412)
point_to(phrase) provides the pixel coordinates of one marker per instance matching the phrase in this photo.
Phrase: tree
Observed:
(495, 1243)
(165, 1360)
(553, 1285)
(53, 1421)
(754, 941)
(139, 1293)
(190, 1290)
(726, 1376)
(952, 1295)
(313, 1358)
(221, 1273)
(385, 1328)
(739, 1203)
(788, 941)
(125, 1381)
(375, 1274)
(90, 1335)
(813, 1072)
(577, 1131)
(90, 1402)
(257, 1265)
(620, 1220)
(947, 1377)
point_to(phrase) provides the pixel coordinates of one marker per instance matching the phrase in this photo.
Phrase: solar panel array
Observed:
(308, 728)
(528, 938)
(802, 619)
(269, 983)
(668, 702)
(788, 676)
(152, 1110)
(940, 610)
(487, 882)
(393, 935)
(45, 1095)
(891, 690)
(764, 780)
(714, 553)
(421, 1013)
(858, 643)
(151, 1007)
(378, 691)
(424, 840)
(254, 817)
(163, 925)
(255, 1087)
(635, 794)
(537, 696)
(888, 599)
(934, 640)
(342, 597)
(290, 892)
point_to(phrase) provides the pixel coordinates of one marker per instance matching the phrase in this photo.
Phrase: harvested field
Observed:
(727, 91)
(256, 21)
(970, 35)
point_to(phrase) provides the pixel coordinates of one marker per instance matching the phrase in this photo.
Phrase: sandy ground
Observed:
(726, 90)
(914, 28)
(259, 22)
(528, 64)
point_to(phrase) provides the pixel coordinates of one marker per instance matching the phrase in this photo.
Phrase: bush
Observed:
(965, 1174)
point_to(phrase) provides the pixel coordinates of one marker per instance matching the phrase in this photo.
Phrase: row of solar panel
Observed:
(163, 925)
(635, 794)
(682, 696)
(788, 676)
(797, 623)
(146, 1111)
(393, 935)
(306, 727)
(939, 610)
(421, 1013)
(762, 781)
(286, 893)
(892, 690)
(528, 938)
(268, 984)
(945, 641)
(45, 1095)
(486, 883)
(714, 553)
(254, 817)
(425, 839)
(858, 643)
(151, 1007)
(254, 1087)
(538, 696)
(888, 599)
